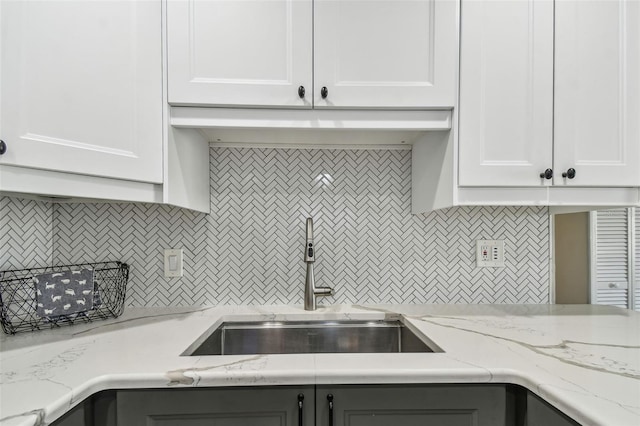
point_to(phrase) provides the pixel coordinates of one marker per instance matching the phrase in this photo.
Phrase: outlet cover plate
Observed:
(490, 253)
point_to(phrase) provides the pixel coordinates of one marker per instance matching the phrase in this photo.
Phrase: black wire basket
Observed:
(18, 310)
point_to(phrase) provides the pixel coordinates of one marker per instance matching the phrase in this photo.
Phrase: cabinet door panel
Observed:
(597, 92)
(274, 418)
(506, 92)
(82, 87)
(409, 417)
(74, 417)
(260, 406)
(228, 52)
(387, 53)
(419, 405)
(541, 413)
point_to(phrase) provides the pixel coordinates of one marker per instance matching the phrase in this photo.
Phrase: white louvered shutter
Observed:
(612, 258)
(636, 259)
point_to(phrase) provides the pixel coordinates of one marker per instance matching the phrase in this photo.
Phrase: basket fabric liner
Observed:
(64, 293)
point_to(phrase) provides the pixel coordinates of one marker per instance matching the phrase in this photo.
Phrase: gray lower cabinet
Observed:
(322, 405)
(411, 405)
(97, 410)
(240, 406)
(77, 416)
(379, 405)
(541, 413)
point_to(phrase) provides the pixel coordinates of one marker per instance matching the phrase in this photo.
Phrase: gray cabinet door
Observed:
(74, 417)
(412, 405)
(97, 410)
(255, 406)
(541, 413)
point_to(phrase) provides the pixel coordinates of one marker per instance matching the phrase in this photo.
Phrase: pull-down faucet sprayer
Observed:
(310, 289)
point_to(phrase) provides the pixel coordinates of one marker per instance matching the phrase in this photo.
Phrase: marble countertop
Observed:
(583, 359)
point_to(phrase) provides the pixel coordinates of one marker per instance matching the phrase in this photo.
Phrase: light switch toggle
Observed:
(173, 263)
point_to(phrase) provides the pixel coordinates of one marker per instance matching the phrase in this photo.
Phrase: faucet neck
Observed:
(309, 251)
(310, 289)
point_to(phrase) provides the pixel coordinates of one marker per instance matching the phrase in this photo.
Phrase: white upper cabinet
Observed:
(506, 92)
(597, 92)
(384, 53)
(367, 54)
(524, 110)
(230, 52)
(81, 87)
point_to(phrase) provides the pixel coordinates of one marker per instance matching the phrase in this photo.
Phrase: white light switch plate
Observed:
(172, 263)
(490, 253)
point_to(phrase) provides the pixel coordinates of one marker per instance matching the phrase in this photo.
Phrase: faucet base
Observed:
(317, 292)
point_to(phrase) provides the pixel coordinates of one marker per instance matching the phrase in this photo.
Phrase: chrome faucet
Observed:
(310, 289)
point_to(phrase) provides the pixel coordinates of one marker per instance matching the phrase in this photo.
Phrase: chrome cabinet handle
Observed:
(300, 399)
(330, 399)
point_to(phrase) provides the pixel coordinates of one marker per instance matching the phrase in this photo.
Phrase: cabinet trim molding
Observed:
(311, 119)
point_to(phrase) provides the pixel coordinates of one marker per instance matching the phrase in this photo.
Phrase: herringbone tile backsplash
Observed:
(370, 248)
(26, 230)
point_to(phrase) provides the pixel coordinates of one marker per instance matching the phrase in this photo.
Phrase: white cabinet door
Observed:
(249, 52)
(385, 53)
(82, 87)
(597, 92)
(506, 92)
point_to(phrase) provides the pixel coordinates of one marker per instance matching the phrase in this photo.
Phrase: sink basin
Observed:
(295, 337)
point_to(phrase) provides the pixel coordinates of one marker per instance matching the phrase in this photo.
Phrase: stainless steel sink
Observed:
(293, 337)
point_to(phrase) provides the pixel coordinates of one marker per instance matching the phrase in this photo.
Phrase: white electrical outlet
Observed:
(172, 263)
(490, 253)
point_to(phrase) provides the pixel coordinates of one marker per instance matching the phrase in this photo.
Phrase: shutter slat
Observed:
(636, 258)
(611, 257)
(615, 297)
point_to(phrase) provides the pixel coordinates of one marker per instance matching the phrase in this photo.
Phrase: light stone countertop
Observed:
(583, 359)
